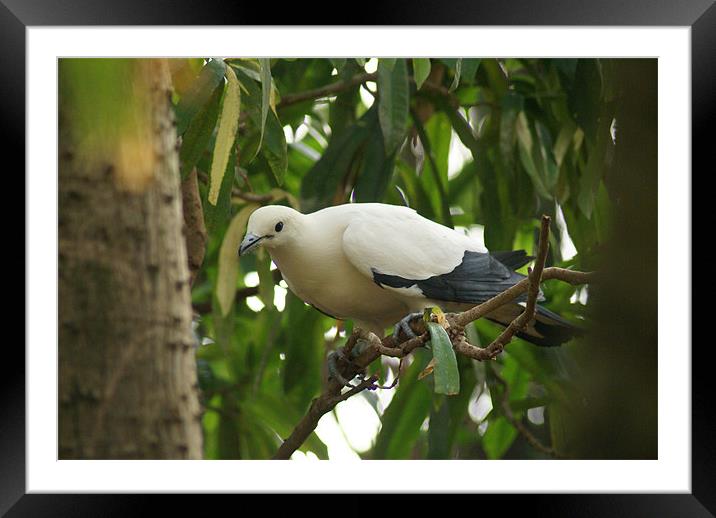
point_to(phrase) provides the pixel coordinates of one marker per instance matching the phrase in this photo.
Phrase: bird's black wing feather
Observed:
(479, 277)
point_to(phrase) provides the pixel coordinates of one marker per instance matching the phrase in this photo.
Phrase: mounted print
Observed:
(440, 266)
(449, 258)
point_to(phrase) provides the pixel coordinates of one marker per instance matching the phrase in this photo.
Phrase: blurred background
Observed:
(485, 146)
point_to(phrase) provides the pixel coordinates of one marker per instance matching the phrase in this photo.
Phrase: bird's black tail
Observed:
(554, 329)
(548, 329)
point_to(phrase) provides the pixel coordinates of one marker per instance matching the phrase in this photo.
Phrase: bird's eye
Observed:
(279, 226)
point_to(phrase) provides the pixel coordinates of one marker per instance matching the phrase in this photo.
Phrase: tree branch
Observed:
(320, 406)
(517, 423)
(325, 91)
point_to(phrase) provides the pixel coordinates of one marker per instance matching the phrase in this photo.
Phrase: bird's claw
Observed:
(404, 325)
(334, 371)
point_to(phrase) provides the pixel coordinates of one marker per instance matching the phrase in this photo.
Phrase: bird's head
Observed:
(271, 226)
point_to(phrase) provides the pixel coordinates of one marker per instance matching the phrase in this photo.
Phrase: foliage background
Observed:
(535, 136)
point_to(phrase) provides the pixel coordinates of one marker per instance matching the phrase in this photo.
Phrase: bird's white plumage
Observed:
(398, 241)
(328, 257)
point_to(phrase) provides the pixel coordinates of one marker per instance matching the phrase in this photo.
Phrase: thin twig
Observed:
(518, 424)
(251, 196)
(325, 91)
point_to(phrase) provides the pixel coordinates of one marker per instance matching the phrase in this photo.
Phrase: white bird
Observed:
(381, 265)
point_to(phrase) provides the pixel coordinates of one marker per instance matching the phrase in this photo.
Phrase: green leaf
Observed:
(495, 76)
(229, 259)
(589, 181)
(584, 97)
(198, 134)
(229, 431)
(184, 72)
(266, 282)
(338, 63)
(274, 412)
(435, 137)
(250, 68)
(225, 135)
(421, 70)
(550, 171)
(210, 425)
(564, 140)
(469, 69)
(393, 102)
(500, 433)
(273, 147)
(511, 106)
(416, 191)
(323, 181)
(375, 172)
(405, 414)
(387, 63)
(528, 151)
(498, 438)
(447, 376)
(456, 77)
(342, 111)
(439, 430)
(199, 93)
(217, 216)
(303, 339)
(257, 441)
(265, 94)
(499, 216)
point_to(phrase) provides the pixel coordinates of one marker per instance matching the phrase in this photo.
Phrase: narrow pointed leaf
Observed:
(229, 259)
(456, 78)
(387, 63)
(338, 63)
(447, 376)
(265, 95)
(198, 134)
(199, 93)
(273, 146)
(421, 70)
(393, 102)
(226, 134)
(469, 68)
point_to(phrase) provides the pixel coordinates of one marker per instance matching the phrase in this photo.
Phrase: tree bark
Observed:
(127, 372)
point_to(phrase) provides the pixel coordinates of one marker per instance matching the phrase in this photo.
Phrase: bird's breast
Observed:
(326, 280)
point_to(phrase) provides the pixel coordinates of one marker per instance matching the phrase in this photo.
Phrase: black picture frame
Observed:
(17, 15)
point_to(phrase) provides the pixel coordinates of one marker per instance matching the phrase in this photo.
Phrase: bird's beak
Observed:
(249, 243)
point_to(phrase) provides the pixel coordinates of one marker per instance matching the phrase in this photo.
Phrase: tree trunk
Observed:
(127, 372)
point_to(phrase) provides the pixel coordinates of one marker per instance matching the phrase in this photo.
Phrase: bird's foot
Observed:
(404, 325)
(334, 356)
